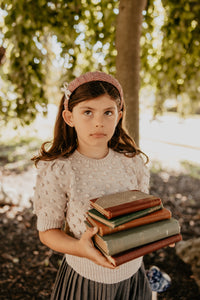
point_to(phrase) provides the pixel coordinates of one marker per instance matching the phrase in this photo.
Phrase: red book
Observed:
(122, 203)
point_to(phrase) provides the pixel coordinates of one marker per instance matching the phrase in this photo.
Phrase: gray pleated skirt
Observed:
(69, 285)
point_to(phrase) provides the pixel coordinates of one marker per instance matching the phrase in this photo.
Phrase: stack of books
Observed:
(131, 224)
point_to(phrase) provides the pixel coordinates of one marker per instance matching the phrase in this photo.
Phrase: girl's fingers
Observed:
(91, 252)
(89, 233)
(102, 260)
(106, 264)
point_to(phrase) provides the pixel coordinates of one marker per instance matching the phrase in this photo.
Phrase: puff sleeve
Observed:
(50, 200)
(142, 174)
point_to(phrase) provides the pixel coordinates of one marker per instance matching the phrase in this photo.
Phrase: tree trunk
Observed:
(128, 31)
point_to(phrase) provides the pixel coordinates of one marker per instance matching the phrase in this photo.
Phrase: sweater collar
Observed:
(93, 161)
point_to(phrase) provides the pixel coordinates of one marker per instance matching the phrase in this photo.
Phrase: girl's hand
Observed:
(87, 249)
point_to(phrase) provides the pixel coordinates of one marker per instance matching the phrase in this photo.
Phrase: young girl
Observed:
(91, 155)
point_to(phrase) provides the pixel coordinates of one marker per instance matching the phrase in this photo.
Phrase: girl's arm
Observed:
(59, 241)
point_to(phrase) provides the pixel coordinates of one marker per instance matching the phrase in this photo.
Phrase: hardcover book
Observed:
(122, 203)
(159, 215)
(114, 222)
(131, 254)
(124, 240)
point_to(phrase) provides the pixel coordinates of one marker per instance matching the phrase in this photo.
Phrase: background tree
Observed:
(129, 25)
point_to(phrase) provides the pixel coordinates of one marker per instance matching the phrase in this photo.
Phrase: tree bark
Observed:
(128, 32)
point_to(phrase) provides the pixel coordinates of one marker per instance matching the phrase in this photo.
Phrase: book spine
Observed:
(129, 255)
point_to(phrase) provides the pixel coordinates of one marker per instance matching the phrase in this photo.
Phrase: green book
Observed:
(138, 236)
(112, 223)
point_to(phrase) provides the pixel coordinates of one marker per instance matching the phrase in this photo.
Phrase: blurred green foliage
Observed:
(79, 27)
(85, 35)
(173, 69)
(27, 27)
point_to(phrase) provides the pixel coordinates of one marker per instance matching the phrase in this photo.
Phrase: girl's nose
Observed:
(99, 122)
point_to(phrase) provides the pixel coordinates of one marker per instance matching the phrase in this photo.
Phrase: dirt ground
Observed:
(28, 268)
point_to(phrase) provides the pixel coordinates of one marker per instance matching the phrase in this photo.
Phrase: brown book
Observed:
(122, 203)
(131, 254)
(159, 215)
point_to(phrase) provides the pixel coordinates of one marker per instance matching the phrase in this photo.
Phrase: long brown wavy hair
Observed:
(64, 142)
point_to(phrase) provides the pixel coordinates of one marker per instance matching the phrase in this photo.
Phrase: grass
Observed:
(156, 167)
(16, 152)
(191, 169)
(19, 144)
(187, 167)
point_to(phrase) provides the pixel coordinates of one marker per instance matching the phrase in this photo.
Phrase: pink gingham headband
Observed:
(88, 77)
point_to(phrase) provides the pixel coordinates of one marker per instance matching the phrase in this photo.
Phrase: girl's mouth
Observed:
(98, 135)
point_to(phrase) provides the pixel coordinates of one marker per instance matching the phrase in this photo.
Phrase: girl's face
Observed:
(94, 121)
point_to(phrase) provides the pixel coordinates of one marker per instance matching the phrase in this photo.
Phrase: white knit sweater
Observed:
(64, 188)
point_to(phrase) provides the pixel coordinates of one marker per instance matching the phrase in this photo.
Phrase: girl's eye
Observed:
(108, 113)
(87, 112)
